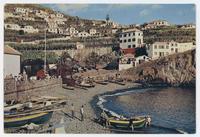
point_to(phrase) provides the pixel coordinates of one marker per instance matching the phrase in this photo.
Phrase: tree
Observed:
(140, 51)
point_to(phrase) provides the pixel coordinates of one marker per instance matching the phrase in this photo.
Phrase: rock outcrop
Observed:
(175, 70)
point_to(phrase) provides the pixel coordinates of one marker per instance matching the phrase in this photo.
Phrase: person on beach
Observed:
(148, 121)
(104, 118)
(82, 111)
(131, 124)
(72, 110)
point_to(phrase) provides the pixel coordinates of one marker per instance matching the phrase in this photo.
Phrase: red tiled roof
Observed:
(128, 51)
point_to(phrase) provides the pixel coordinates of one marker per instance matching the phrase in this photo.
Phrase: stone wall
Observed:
(22, 90)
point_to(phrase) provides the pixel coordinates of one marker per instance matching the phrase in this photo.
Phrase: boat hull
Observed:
(39, 118)
(126, 124)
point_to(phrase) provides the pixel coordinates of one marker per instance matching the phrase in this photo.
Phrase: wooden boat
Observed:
(86, 85)
(67, 87)
(102, 82)
(138, 122)
(119, 82)
(21, 120)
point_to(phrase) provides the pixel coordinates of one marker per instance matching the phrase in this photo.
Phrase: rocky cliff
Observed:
(175, 70)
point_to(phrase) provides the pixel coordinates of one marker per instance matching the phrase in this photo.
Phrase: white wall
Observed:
(125, 66)
(11, 64)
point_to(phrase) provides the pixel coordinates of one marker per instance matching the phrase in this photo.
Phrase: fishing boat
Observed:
(65, 86)
(137, 122)
(86, 85)
(21, 120)
(102, 82)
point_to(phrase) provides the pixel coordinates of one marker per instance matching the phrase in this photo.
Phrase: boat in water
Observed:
(21, 120)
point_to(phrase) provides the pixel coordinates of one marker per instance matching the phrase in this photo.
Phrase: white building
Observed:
(131, 38)
(11, 61)
(188, 26)
(156, 23)
(126, 62)
(161, 49)
(141, 59)
(22, 10)
(83, 34)
(72, 31)
(42, 14)
(30, 29)
(59, 15)
(160, 23)
(12, 27)
(92, 32)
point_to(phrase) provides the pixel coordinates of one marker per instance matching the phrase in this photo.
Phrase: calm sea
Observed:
(170, 108)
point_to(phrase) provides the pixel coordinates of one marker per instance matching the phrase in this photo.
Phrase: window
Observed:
(129, 40)
(129, 34)
(125, 41)
(155, 46)
(120, 41)
(133, 39)
(172, 49)
(133, 46)
(167, 47)
(124, 35)
(138, 34)
(139, 41)
(120, 36)
(176, 50)
(129, 46)
(133, 34)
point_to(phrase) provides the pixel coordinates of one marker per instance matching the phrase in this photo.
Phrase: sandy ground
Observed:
(81, 97)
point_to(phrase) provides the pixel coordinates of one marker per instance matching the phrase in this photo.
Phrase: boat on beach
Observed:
(137, 122)
(101, 82)
(21, 120)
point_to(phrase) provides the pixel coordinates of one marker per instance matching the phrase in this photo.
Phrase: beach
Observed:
(81, 97)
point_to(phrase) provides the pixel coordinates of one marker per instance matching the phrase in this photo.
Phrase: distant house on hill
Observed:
(12, 62)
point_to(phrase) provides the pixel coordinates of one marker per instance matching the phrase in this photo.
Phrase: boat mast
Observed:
(45, 52)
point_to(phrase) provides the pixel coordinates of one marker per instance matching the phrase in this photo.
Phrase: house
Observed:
(59, 15)
(126, 62)
(42, 14)
(12, 60)
(188, 26)
(12, 27)
(141, 59)
(9, 14)
(52, 30)
(92, 31)
(131, 38)
(156, 23)
(72, 31)
(159, 23)
(161, 49)
(83, 34)
(22, 10)
(30, 29)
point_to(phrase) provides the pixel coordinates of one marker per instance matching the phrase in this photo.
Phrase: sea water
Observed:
(170, 108)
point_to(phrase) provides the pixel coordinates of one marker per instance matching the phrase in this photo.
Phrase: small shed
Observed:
(12, 60)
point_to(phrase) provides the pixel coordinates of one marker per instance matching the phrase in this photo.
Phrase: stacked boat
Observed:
(37, 111)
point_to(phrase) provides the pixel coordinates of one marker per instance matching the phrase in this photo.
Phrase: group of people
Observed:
(81, 112)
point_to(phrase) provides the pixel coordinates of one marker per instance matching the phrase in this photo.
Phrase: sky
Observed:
(130, 13)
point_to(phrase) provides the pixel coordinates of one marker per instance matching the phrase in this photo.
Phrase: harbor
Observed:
(72, 74)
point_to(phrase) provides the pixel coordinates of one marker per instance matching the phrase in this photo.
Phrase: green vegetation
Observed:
(169, 34)
(51, 56)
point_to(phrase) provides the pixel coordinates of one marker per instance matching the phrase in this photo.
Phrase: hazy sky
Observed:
(130, 13)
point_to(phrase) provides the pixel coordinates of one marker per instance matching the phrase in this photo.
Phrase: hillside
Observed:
(168, 34)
